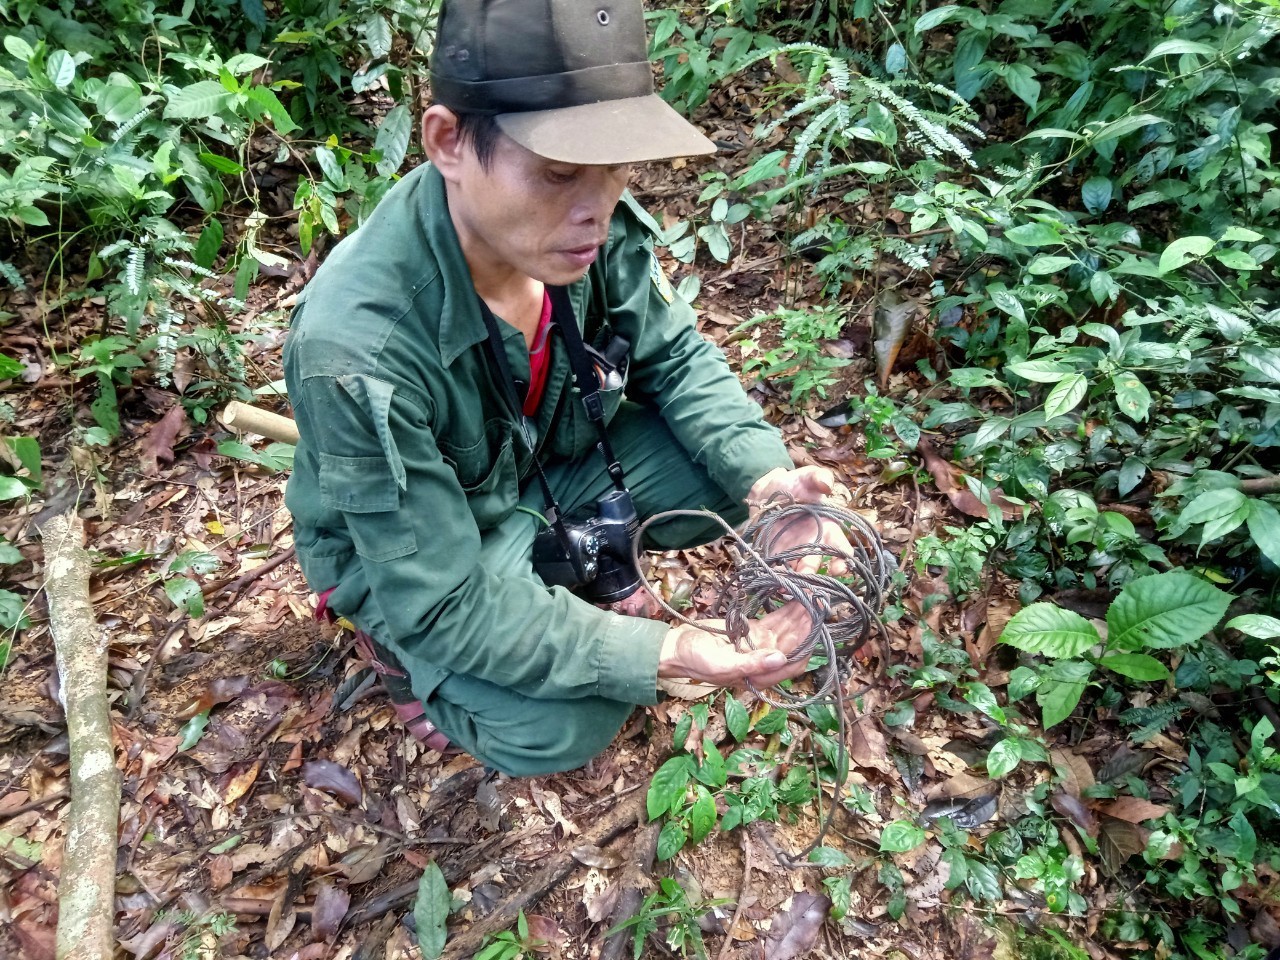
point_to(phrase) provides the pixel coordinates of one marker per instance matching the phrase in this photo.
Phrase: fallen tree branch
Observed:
(86, 887)
(562, 863)
(635, 880)
(243, 418)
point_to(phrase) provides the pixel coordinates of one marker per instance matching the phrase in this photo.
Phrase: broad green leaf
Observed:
(200, 100)
(1131, 473)
(267, 101)
(1133, 399)
(393, 140)
(736, 718)
(1066, 396)
(1123, 127)
(1060, 691)
(18, 47)
(27, 450)
(1053, 133)
(1041, 371)
(1264, 360)
(1042, 266)
(1021, 80)
(895, 60)
(829, 857)
(671, 839)
(666, 790)
(1182, 251)
(61, 69)
(377, 32)
(1236, 260)
(220, 164)
(1135, 666)
(243, 63)
(1006, 301)
(980, 696)
(1103, 287)
(1213, 505)
(958, 866)
(9, 554)
(1022, 680)
(117, 102)
(1003, 758)
(983, 883)
(1096, 194)
(1172, 48)
(702, 816)
(185, 594)
(1264, 529)
(192, 731)
(1166, 610)
(901, 836)
(1242, 234)
(940, 15)
(1050, 630)
(10, 368)
(431, 911)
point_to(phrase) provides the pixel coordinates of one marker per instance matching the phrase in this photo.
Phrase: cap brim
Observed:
(629, 130)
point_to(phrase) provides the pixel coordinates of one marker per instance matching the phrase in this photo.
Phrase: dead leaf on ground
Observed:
(891, 325)
(794, 932)
(329, 910)
(160, 439)
(1118, 840)
(1074, 769)
(1133, 809)
(950, 479)
(867, 746)
(1075, 810)
(332, 779)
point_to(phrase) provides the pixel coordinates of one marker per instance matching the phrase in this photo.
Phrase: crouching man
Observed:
(431, 366)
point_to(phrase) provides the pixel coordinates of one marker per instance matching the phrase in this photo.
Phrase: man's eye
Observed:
(561, 176)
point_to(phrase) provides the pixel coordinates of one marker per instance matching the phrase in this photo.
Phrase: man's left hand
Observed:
(804, 485)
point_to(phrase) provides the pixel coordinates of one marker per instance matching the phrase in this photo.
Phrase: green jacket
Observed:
(409, 451)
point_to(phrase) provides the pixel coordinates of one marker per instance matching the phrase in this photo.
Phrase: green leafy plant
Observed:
(1168, 611)
(798, 359)
(671, 910)
(512, 945)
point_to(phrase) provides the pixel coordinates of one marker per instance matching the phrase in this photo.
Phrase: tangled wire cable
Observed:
(843, 602)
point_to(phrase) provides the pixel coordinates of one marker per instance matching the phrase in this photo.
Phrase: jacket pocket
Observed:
(486, 471)
(494, 497)
(365, 492)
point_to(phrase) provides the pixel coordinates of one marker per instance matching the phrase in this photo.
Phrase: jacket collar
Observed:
(461, 326)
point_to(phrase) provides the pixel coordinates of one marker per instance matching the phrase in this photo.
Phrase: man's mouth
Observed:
(582, 256)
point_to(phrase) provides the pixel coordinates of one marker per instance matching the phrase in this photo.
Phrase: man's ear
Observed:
(440, 140)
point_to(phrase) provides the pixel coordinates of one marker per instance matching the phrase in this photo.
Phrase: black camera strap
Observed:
(588, 384)
(584, 375)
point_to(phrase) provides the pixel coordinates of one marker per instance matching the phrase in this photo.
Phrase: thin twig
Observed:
(743, 892)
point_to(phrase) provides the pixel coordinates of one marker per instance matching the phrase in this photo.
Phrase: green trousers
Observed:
(521, 736)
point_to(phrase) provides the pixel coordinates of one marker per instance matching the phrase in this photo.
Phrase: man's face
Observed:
(543, 218)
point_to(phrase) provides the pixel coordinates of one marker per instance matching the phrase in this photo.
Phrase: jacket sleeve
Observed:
(674, 367)
(417, 582)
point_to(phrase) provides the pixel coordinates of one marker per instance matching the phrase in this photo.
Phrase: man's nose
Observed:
(601, 188)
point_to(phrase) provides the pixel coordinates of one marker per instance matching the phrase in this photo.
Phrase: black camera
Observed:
(596, 562)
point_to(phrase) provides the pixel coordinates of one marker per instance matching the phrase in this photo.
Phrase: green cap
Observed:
(567, 79)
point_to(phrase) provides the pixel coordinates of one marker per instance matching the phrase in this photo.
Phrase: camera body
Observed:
(598, 564)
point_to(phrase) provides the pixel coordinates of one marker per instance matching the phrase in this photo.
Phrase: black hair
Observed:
(480, 132)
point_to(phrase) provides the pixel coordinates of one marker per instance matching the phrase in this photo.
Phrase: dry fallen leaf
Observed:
(160, 439)
(951, 481)
(329, 910)
(1133, 809)
(333, 779)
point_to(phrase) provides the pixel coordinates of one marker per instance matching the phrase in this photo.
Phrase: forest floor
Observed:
(261, 781)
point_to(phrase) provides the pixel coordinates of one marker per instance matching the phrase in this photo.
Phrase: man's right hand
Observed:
(688, 652)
